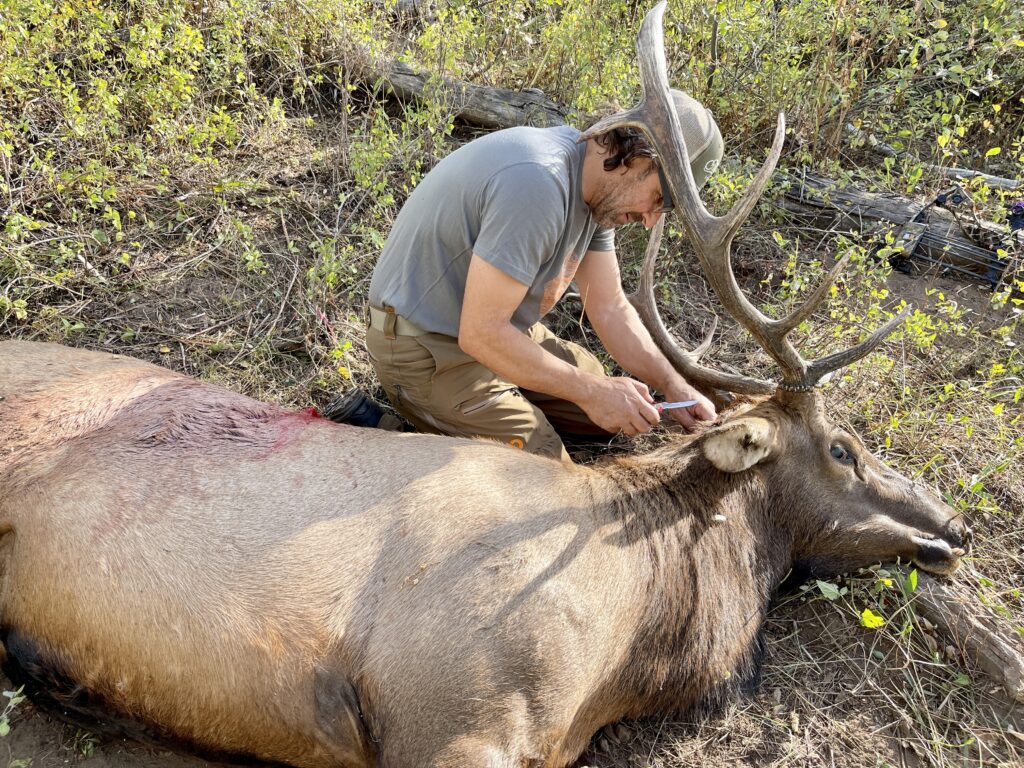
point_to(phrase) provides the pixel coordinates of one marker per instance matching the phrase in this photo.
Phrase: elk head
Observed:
(845, 507)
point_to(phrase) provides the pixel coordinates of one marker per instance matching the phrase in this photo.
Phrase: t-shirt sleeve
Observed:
(523, 216)
(603, 239)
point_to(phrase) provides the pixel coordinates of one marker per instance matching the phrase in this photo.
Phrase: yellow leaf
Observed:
(940, 24)
(871, 620)
(993, 151)
(344, 372)
(164, 349)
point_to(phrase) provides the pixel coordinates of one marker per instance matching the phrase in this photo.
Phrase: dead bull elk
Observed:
(255, 581)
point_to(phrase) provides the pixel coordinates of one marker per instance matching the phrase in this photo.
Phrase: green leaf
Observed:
(910, 586)
(871, 620)
(963, 680)
(831, 591)
(5, 728)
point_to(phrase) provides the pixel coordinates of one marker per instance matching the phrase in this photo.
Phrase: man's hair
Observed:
(623, 146)
(703, 143)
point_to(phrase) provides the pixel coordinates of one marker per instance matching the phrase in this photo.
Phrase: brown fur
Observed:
(261, 582)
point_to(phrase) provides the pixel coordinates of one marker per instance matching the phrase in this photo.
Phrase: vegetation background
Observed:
(208, 184)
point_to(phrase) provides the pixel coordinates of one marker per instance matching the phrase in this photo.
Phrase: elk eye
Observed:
(840, 454)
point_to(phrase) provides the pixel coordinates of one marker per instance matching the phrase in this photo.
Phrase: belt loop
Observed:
(389, 323)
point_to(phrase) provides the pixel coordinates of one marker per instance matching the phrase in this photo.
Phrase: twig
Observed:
(713, 68)
(90, 268)
(295, 276)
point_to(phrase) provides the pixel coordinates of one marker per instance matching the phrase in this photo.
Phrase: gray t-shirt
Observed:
(513, 197)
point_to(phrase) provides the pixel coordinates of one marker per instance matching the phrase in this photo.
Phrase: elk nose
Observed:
(959, 533)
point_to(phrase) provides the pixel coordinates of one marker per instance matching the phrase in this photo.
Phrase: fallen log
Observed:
(974, 632)
(936, 238)
(477, 105)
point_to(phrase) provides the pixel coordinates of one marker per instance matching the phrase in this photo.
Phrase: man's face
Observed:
(628, 195)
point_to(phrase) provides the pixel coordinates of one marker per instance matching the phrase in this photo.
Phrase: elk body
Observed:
(260, 582)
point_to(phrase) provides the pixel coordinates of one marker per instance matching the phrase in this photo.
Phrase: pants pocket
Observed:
(478, 404)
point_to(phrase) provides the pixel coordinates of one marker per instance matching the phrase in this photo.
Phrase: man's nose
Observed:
(650, 219)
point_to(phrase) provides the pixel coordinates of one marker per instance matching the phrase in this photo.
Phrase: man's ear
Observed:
(740, 444)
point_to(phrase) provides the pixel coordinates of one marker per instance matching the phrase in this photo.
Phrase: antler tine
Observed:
(805, 310)
(628, 118)
(712, 237)
(686, 362)
(741, 210)
(840, 359)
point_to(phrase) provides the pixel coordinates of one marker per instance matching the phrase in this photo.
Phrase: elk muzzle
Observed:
(941, 555)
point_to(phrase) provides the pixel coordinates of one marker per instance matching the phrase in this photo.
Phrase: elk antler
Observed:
(712, 238)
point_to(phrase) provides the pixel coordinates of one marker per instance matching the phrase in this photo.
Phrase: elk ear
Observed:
(740, 444)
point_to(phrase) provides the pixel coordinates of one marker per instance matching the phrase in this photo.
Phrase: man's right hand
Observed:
(620, 404)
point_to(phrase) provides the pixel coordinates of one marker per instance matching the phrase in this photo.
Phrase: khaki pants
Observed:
(441, 389)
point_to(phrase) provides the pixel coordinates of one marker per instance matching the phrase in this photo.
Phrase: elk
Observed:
(203, 567)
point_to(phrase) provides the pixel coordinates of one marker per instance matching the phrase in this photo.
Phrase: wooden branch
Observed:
(821, 202)
(477, 105)
(953, 173)
(998, 652)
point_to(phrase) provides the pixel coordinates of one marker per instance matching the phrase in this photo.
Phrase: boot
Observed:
(357, 408)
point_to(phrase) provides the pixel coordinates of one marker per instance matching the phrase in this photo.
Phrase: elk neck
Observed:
(706, 585)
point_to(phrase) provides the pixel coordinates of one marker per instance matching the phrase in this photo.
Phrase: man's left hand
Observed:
(688, 418)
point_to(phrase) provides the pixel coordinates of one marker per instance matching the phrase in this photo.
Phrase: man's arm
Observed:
(628, 341)
(487, 334)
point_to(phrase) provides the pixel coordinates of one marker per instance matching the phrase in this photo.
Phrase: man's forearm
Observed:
(630, 344)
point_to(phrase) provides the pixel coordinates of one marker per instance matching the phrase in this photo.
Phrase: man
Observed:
(485, 246)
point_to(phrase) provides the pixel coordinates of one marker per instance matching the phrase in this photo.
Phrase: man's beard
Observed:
(605, 211)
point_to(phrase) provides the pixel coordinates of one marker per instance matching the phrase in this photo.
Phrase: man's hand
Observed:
(619, 404)
(704, 410)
